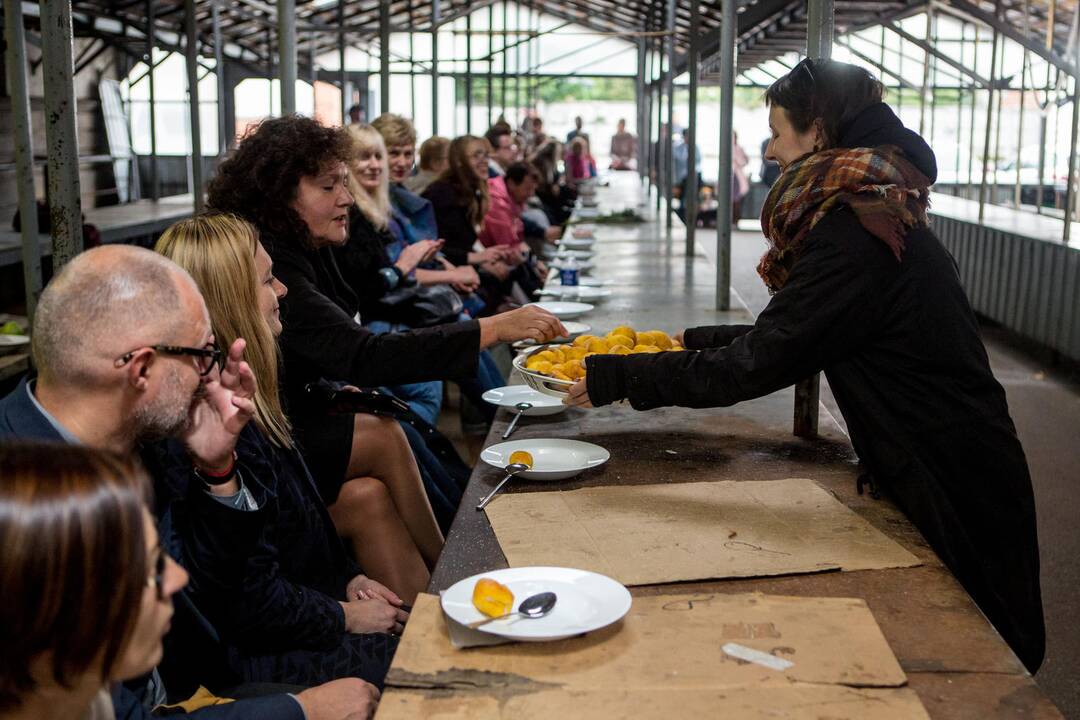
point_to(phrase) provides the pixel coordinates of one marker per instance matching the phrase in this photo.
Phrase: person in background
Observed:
(680, 160)
(124, 351)
(356, 115)
(503, 224)
(433, 163)
(770, 169)
(740, 181)
(623, 148)
(504, 149)
(577, 132)
(88, 587)
(557, 198)
(579, 163)
(863, 290)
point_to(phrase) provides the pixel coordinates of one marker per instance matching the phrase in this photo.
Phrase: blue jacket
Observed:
(192, 640)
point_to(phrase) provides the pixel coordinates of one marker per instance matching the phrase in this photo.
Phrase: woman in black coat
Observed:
(864, 291)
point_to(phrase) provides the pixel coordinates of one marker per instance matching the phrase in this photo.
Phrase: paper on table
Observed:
(648, 534)
(462, 636)
(666, 653)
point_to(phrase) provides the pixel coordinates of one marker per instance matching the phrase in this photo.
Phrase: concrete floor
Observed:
(1044, 400)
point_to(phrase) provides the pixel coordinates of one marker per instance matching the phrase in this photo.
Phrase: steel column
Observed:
(343, 81)
(517, 62)
(384, 56)
(669, 89)
(468, 75)
(690, 197)
(435, 11)
(490, 76)
(989, 127)
(61, 137)
(155, 189)
(728, 28)
(191, 51)
(15, 59)
(286, 37)
(1070, 192)
(639, 96)
(219, 62)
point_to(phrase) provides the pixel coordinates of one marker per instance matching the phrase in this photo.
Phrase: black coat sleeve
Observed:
(322, 340)
(453, 222)
(711, 336)
(825, 310)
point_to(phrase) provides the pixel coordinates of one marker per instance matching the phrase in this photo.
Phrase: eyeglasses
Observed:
(208, 356)
(157, 576)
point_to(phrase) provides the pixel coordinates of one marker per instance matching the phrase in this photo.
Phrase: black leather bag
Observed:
(422, 305)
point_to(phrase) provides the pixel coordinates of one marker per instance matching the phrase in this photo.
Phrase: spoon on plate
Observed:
(521, 407)
(534, 606)
(520, 461)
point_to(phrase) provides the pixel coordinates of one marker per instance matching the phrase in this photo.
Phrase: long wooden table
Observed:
(954, 659)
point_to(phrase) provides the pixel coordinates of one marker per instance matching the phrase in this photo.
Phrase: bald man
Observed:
(125, 356)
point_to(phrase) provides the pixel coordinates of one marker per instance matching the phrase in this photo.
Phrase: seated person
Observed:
(557, 198)
(504, 226)
(125, 356)
(306, 613)
(623, 148)
(288, 177)
(433, 163)
(579, 162)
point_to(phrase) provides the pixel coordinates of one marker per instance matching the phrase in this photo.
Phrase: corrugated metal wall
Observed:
(1030, 286)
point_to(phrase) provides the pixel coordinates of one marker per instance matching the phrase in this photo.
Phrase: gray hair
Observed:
(104, 303)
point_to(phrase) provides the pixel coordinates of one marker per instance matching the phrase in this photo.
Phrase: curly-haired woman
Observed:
(289, 178)
(864, 290)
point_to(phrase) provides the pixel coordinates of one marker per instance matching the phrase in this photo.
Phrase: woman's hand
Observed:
(362, 587)
(579, 395)
(419, 252)
(373, 616)
(495, 253)
(499, 269)
(464, 279)
(527, 322)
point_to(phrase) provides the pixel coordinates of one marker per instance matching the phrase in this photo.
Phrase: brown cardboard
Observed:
(666, 653)
(651, 534)
(798, 702)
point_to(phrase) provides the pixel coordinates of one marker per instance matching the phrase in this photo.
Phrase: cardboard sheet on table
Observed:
(650, 534)
(667, 641)
(800, 702)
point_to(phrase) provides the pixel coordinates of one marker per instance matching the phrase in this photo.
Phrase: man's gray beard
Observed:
(170, 417)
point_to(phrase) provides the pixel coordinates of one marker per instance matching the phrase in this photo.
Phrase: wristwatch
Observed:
(391, 276)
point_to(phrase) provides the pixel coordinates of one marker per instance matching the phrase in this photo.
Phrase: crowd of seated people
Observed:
(219, 393)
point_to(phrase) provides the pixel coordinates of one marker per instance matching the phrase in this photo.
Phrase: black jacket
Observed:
(900, 347)
(360, 260)
(452, 217)
(222, 538)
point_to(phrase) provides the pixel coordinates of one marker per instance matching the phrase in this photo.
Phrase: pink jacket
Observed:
(502, 224)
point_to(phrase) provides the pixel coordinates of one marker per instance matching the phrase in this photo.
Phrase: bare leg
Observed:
(365, 514)
(380, 450)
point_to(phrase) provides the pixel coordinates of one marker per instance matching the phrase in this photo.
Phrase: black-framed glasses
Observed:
(157, 575)
(208, 356)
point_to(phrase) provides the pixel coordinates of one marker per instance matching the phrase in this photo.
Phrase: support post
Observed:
(690, 198)
(639, 97)
(728, 25)
(517, 62)
(819, 42)
(1070, 191)
(286, 27)
(435, 17)
(15, 59)
(151, 23)
(343, 80)
(989, 127)
(61, 138)
(384, 56)
(490, 69)
(191, 51)
(468, 75)
(669, 146)
(219, 64)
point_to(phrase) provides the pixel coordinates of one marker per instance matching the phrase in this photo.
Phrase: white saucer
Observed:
(564, 310)
(510, 395)
(587, 293)
(585, 601)
(553, 458)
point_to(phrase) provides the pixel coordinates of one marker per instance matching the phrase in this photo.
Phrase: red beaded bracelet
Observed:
(227, 473)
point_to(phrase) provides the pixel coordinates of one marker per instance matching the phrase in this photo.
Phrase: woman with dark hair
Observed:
(557, 198)
(289, 177)
(864, 291)
(87, 588)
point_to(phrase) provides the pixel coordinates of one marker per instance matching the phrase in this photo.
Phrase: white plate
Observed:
(580, 255)
(585, 601)
(510, 395)
(574, 328)
(582, 266)
(564, 310)
(587, 293)
(553, 458)
(577, 243)
(588, 212)
(13, 343)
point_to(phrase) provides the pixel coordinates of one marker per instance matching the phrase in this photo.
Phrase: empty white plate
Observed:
(564, 310)
(553, 458)
(510, 395)
(577, 243)
(584, 601)
(583, 265)
(13, 343)
(587, 293)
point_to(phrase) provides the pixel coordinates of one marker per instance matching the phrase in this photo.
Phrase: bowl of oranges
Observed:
(552, 369)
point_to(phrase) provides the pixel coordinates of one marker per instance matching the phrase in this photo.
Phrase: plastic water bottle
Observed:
(568, 275)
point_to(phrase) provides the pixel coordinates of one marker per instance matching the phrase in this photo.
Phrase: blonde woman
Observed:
(383, 513)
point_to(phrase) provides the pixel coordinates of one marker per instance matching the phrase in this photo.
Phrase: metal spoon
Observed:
(521, 408)
(535, 606)
(511, 470)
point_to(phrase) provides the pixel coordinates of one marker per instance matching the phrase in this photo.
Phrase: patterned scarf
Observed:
(884, 189)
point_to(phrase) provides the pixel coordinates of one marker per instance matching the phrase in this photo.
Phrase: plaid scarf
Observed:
(884, 189)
